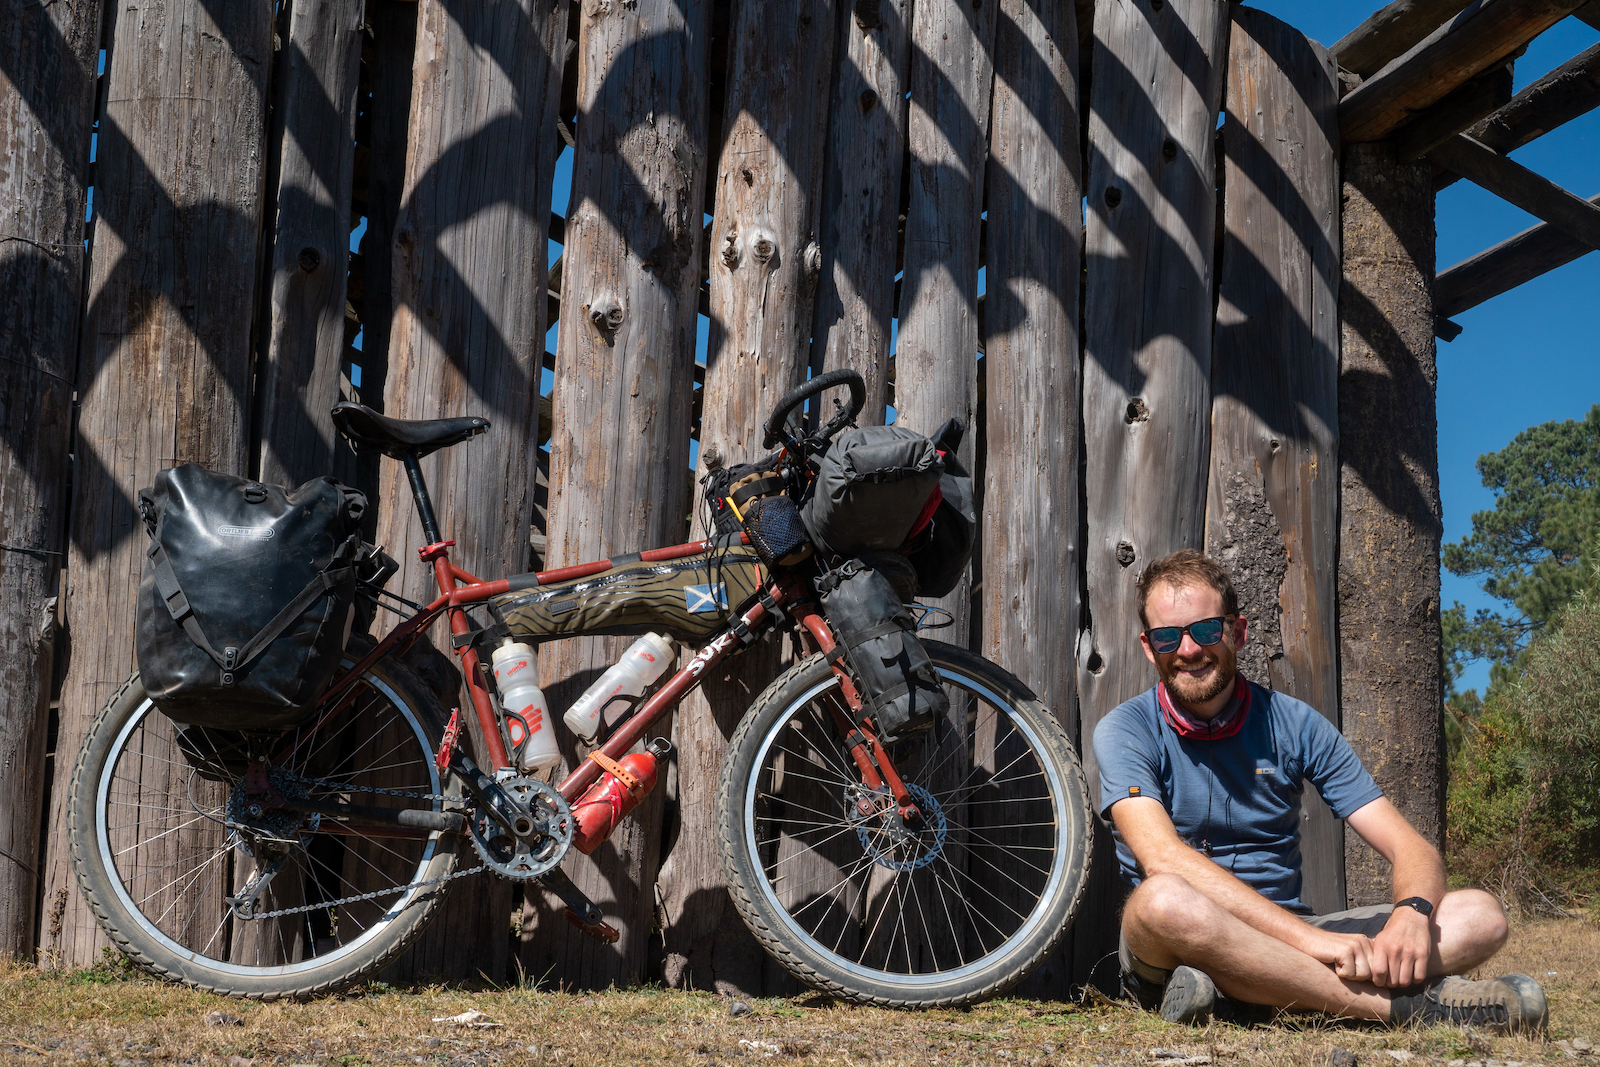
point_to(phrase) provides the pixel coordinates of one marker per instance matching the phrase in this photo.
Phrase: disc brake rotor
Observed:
(887, 839)
(515, 859)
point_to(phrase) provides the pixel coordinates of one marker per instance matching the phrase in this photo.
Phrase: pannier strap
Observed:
(760, 487)
(629, 780)
(232, 659)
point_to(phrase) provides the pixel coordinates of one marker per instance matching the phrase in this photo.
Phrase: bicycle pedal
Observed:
(601, 931)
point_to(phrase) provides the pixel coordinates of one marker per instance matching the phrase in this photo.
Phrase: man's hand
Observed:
(1400, 951)
(1350, 955)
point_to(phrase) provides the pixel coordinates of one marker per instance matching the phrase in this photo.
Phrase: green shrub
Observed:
(1524, 802)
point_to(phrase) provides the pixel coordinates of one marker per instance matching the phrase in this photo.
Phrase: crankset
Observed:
(522, 859)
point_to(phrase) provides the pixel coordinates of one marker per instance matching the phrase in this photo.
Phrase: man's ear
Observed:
(1144, 643)
(1241, 631)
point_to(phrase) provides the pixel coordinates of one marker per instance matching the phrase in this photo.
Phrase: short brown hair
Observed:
(1187, 567)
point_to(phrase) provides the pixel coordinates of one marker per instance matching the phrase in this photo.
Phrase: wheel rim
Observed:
(171, 857)
(931, 905)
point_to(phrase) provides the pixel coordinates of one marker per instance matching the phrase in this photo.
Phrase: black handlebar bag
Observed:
(248, 595)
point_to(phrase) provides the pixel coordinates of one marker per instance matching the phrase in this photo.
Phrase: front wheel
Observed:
(163, 834)
(948, 910)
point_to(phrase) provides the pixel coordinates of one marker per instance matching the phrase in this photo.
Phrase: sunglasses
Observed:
(1165, 639)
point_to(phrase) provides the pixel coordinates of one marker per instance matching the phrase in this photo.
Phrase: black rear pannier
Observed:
(248, 595)
(877, 635)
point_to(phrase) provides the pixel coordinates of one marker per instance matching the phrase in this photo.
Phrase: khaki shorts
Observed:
(1145, 983)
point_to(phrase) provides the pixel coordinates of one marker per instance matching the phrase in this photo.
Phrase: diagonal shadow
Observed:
(42, 67)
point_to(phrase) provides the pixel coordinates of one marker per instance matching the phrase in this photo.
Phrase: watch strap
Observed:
(1421, 904)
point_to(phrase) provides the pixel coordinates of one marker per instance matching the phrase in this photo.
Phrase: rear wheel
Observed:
(163, 834)
(945, 911)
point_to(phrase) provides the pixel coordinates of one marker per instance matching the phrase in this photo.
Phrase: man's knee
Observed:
(1474, 920)
(1166, 906)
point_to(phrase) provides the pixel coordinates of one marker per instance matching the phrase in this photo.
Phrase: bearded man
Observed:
(1201, 777)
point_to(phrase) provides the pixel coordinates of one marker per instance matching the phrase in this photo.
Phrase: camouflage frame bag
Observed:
(690, 598)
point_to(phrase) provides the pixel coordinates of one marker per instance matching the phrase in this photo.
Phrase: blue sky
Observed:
(1530, 355)
(1523, 358)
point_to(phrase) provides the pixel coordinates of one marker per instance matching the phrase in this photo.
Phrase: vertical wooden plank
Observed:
(1157, 87)
(1273, 503)
(469, 325)
(164, 365)
(861, 196)
(936, 355)
(619, 450)
(389, 65)
(315, 116)
(764, 265)
(1390, 525)
(1031, 564)
(48, 58)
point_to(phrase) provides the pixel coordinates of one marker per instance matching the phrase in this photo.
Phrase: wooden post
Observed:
(1158, 75)
(468, 332)
(394, 43)
(764, 266)
(315, 130)
(619, 452)
(47, 94)
(1273, 504)
(164, 364)
(1031, 598)
(936, 355)
(1390, 522)
(861, 197)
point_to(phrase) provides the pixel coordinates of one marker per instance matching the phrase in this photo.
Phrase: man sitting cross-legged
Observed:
(1202, 777)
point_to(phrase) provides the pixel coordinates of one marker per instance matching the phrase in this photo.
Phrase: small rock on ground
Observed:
(738, 1008)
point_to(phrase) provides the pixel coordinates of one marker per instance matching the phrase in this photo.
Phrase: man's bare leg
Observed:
(1168, 922)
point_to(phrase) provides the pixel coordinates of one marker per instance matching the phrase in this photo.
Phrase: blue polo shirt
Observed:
(1237, 799)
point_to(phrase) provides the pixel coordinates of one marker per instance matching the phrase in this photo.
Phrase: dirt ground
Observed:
(105, 1014)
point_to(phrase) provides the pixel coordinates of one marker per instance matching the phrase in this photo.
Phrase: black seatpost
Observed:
(419, 493)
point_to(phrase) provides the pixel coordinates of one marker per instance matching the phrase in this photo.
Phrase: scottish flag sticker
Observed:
(701, 598)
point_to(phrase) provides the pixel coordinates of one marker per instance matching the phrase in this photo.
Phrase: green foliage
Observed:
(1524, 801)
(1536, 549)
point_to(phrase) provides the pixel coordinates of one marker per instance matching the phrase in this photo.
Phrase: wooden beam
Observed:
(1390, 32)
(1496, 270)
(47, 100)
(1461, 109)
(1510, 180)
(1589, 13)
(1477, 39)
(1571, 90)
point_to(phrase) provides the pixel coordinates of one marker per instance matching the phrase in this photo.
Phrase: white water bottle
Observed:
(642, 664)
(516, 675)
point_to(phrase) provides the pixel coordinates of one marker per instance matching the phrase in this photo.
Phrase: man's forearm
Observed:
(1237, 898)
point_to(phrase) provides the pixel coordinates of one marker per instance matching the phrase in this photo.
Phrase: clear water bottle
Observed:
(516, 675)
(644, 662)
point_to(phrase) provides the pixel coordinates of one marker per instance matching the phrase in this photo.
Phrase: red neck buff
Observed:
(1227, 723)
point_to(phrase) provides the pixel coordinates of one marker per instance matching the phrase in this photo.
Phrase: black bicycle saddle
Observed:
(368, 431)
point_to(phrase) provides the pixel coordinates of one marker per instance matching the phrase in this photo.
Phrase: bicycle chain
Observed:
(346, 787)
(374, 895)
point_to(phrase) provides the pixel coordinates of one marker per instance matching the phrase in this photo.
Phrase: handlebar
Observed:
(776, 430)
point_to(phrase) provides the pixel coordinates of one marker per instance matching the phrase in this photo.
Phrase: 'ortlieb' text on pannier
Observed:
(690, 598)
(247, 597)
(877, 635)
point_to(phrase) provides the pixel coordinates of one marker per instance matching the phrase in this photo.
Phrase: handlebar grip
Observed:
(774, 431)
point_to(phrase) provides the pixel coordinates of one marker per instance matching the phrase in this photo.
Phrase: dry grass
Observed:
(106, 1015)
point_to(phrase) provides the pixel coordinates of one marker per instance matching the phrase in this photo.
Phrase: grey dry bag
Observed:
(877, 636)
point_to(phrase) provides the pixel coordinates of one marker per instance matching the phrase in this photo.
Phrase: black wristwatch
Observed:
(1420, 903)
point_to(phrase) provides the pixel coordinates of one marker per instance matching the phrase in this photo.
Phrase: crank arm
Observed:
(359, 815)
(586, 911)
(495, 800)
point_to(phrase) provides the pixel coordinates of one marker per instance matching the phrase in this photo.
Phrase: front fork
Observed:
(866, 750)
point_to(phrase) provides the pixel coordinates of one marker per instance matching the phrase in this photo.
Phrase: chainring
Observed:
(523, 861)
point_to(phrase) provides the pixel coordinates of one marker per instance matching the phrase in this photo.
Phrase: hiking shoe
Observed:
(1190, 998)
(1505, 1005)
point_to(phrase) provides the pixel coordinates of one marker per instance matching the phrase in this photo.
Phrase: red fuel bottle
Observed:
(623, 783)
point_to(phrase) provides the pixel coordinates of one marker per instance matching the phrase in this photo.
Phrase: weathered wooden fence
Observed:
(1019, 212)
